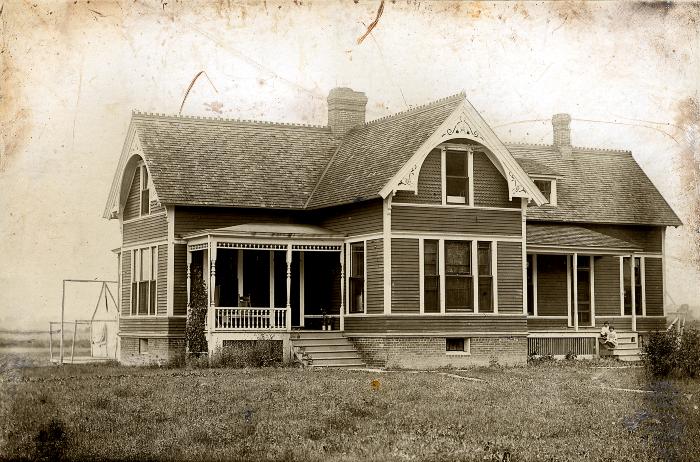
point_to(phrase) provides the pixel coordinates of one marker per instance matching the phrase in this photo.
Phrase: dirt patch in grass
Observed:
(556, 412)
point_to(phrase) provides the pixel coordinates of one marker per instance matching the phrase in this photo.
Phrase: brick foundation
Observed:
(430, 352)
(155, 351)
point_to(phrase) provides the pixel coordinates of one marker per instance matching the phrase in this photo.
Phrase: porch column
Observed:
(575, 287)
(289, 287)
(239, 272)
(633, 294)
(189, 278)
(212, 288)
(301, 289)
(342, 288)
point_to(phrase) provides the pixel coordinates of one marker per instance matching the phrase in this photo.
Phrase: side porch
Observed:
(572, 292)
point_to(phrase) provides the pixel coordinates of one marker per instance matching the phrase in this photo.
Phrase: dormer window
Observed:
(548, 187)
(145, 192)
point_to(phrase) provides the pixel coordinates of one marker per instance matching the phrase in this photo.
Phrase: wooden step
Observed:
(334, 355)
(325, 349)
(322, 342)
(337, 363)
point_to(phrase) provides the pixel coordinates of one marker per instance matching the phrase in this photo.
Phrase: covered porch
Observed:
(580, 276)
(268, 278)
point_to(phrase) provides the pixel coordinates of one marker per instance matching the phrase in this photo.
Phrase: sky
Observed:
(72, 72)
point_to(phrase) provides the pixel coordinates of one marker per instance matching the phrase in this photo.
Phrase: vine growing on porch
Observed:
(197, 314)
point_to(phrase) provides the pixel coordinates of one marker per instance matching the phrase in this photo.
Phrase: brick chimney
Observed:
(346, 110)
(561, 124)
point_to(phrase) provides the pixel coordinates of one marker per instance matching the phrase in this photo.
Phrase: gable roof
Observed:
(371, 155)
(219, 162)
(597, 186)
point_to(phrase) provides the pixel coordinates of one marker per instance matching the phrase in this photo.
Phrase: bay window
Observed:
(144, 270)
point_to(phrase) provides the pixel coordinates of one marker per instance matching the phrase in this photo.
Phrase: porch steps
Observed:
(627, 348)
(325, 349)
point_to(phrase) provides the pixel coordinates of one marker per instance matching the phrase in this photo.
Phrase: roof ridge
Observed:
(419, 108)
(136, 112)
(579, 148)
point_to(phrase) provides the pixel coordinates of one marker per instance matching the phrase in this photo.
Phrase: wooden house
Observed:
(420, 239)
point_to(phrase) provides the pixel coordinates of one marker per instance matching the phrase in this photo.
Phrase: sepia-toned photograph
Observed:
(361, 230)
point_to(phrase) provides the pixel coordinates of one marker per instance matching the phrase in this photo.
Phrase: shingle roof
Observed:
(234, 163)
(598, 186)
(371, 155)
(574, 236)
(218, 162)
(532, 167)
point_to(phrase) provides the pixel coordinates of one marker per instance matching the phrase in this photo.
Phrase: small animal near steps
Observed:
(325, 349)
(627, 348)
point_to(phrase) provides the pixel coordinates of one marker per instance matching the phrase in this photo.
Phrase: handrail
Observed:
(250, 318)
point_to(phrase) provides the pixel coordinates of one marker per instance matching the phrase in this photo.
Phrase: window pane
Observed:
(484, 257)
(430, 257)
(530, 285)
(457, 186)
(154, 260)
(485, 294)
(583, 261)
(431, 279)
(144, 177)
(357, 295)
(456, 164)
(136, 267)
(627, 279)
(431, 294)
(134, 297)
(454, 344)
(545, 187)
(357, 259)
(146, 264)
(143, 297)
(458, 293)
(638, 286)
(152, 296)
(458, 257)
(145, 202)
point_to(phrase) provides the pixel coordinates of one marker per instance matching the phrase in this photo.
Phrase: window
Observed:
(456, 177)
(144, 271)
(357, 277)
(485, 277)
(638, 286)
(431, 277)
(548, 187)
(583, 288)
(145, 192)
(531, 284)
(627, 284)
(457, 345)
(143, 346)
(458, 276)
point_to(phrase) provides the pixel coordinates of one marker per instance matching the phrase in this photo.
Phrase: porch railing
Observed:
(246, 318)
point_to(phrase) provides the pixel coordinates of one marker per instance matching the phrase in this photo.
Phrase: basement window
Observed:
(458, 346)
(143, 346)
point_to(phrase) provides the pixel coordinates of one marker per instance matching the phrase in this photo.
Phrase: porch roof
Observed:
(270, 230)
(565, 235)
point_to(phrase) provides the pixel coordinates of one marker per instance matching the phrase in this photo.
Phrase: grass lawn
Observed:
(539, 412)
